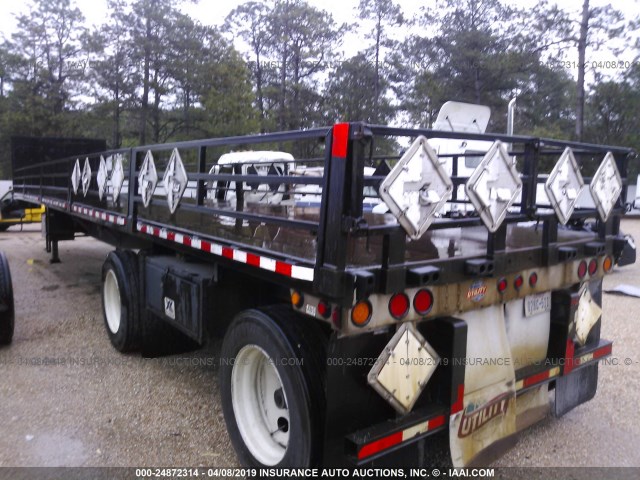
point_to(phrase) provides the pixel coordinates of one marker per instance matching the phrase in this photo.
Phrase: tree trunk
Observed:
(116, 119)
(582, 49)
(145, 81)
(376, 93)
(259, 92)
(156, 107)
(283, 89)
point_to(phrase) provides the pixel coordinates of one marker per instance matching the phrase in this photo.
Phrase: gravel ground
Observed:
(99, 408)
(67, 398)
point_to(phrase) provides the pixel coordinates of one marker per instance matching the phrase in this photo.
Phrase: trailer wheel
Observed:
(120, 305)
(7, 311)
(272, 388)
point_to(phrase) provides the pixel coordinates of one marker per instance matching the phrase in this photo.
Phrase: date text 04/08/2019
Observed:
(269, 473)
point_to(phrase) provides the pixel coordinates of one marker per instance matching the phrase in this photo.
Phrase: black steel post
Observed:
(202, 165)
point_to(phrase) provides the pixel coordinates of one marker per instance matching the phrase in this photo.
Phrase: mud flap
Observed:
(484, 428)
(627, 255)
(532, 406)
(576, 388)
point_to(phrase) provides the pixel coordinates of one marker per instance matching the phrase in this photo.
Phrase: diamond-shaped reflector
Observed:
(403, 368)
(147, 179)
(417, 188)
(564, 185)
(117, 177)
(606, 186)
(86, 177)
(174, 180)
(102, 177)
(493, 186)
(76, 176)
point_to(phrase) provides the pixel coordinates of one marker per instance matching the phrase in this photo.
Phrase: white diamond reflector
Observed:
(403, 368)
(606, 186)
(102, 177)
(494, 186)
(416, 188)
(76, 176)
(564, 185)
(117, 177)
(86, 177)
(147, 179)
(175, 180)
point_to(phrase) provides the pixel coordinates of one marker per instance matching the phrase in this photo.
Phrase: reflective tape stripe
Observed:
(49, 201)
(537, 378)
(397, 438)
(240, 256)
(99, 214)
(599, 353)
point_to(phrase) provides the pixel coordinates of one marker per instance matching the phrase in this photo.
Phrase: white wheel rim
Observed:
(260, 405)
(112, 305)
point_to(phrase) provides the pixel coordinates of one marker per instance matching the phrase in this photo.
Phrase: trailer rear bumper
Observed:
(403, 441)
(370, 443)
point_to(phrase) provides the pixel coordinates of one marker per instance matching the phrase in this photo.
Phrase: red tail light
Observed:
(502, 285)
(518, 282)
(593, 266)
(324, 309)
(582, 269)
(399, 305)
(423, 301)
(533, 279)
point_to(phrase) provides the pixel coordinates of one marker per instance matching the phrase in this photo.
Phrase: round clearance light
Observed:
(297, 299)
(518, 282)
(502, 285)
(607, 264)
(533, 279)
(399, 305)
(593, 266)
(324, 309)
(423, 301)
(361, 313)
(582, 269)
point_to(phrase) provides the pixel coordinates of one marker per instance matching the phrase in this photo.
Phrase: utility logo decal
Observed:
(476, 291)
(475, 416)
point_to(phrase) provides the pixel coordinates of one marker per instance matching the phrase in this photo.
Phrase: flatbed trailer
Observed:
(357, 336)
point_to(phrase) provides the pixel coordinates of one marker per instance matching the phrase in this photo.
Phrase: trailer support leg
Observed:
(54, 252)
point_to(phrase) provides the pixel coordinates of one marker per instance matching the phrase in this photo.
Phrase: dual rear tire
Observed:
(272, 389)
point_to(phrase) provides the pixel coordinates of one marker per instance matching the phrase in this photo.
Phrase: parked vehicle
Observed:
(355, 335)
(17, 212)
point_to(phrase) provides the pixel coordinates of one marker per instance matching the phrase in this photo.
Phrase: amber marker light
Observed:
(361, 313)
(296, 299)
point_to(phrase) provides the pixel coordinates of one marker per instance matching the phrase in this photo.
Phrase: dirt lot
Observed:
(67, 398)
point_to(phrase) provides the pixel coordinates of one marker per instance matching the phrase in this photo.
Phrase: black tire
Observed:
(4, 227)
(282, 334)
(125, 333)
(7, 310)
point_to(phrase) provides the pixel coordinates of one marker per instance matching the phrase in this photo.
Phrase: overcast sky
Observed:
(213, 12)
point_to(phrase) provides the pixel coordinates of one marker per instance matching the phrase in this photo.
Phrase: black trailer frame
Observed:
(346, 149)
(356, 417)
